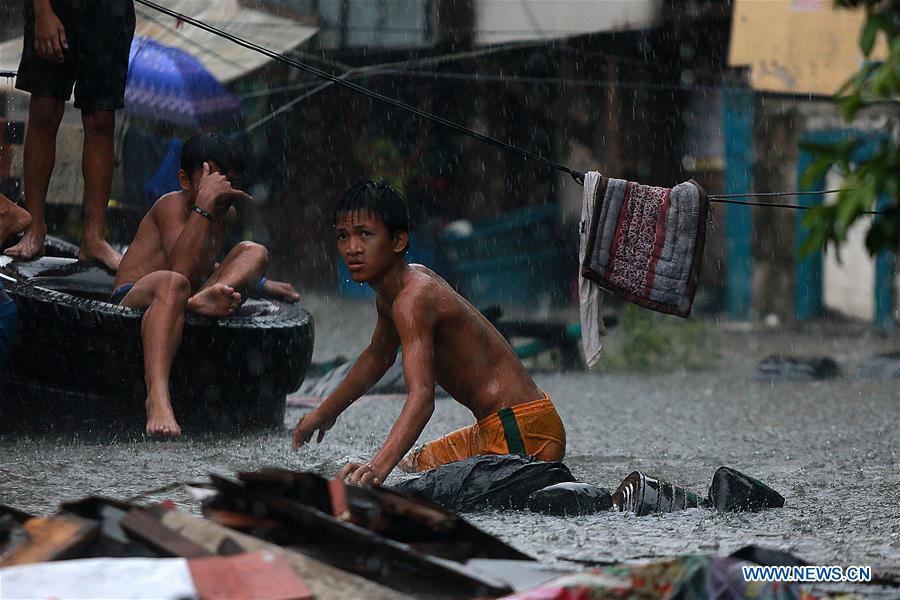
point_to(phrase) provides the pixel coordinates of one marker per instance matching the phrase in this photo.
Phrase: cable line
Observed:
(343, 81)
(576, 175)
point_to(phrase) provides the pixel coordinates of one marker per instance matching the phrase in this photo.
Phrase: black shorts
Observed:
(96, 64)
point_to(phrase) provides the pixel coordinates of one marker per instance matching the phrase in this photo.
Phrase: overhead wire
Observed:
(368, 70)
(377, 69)
(344, 81)
(577, 175)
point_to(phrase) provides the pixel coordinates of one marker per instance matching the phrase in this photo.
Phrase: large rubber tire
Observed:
(222, 364)
(29, 405)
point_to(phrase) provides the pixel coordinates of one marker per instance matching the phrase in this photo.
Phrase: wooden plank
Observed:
(323, 580)
(52, 539)
(451, 577)
(260, 575)
(431, 515)
(238, 520)
(737, 123)
(159, 537)
(339, 507)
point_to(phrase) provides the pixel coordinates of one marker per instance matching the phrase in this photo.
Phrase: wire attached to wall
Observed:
(578, 176)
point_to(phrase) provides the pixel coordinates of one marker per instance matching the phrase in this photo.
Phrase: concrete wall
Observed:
(509, 20)
(377, 23)
(848, 275)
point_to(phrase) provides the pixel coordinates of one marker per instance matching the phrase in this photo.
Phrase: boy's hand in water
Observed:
(280, 290)
(307, 425)
(215, 194)
(49, 34)
(361, 474)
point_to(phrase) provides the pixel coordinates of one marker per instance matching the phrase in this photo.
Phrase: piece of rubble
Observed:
(54, 538)
(732, 491)
(394, 539)
(797, 367)
(643, 495)
(570, 498)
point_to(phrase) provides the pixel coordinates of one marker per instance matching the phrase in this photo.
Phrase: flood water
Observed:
(831, 448)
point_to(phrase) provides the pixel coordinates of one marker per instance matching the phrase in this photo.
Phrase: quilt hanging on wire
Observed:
(645, 243)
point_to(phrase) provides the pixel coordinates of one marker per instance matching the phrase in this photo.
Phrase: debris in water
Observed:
(733, 491)
(570, 499)
(645, 495)
(796, 367)
(486, 482)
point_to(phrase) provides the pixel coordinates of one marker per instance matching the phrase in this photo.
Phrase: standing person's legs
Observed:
(50, 84)
(97, 167)
(164, 294)
(106, 30)
(44, 116)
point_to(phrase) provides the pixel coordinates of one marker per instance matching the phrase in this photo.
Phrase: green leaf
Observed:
(868, 34)
(815, 172)
(847, 209)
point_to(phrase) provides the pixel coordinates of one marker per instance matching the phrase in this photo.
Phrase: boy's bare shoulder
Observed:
(415, 301)
(168, 203)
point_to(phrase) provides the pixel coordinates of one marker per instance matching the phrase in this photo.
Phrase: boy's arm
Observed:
(49, 33)
(197, 244)
(371, 365)
(415, 323)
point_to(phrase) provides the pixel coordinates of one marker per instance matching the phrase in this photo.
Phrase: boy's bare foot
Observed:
(218, 300)
(100, 251)
(30, 246)
(280, 290)
(161, 421)
(13, 219)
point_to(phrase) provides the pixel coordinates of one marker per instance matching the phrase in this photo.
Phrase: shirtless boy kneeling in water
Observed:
(171, 267)
(445, 340)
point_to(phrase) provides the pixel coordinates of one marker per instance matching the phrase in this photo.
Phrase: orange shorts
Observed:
(532, 428)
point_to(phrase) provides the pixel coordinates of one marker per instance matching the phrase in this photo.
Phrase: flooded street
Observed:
(829, 447)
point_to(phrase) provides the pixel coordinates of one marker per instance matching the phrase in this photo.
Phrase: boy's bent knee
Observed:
(255, 250)
(173, 284)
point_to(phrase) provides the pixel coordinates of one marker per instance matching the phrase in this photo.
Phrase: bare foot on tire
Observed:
(280, 290)
(30, 246)
(13, 219)
(218, 300)
(101, 252)
(161, 423)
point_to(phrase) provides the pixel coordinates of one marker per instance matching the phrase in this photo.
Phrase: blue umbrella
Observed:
(166, 83)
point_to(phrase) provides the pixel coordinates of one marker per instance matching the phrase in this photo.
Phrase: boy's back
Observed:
(473, 362)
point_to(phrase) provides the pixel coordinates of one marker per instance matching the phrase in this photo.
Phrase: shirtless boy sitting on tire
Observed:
(171, 266)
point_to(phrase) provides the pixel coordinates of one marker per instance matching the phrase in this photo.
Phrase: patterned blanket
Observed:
(646, 243)
(680, 577)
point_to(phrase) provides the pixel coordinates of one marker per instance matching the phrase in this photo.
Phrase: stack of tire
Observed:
(77, 363)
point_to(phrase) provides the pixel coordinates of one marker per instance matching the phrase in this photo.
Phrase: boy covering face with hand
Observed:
(171, 267)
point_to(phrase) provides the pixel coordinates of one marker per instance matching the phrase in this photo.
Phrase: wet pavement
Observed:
(831, 448)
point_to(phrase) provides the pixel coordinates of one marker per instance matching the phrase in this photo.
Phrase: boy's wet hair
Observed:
(376, 198)
(212, 147)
